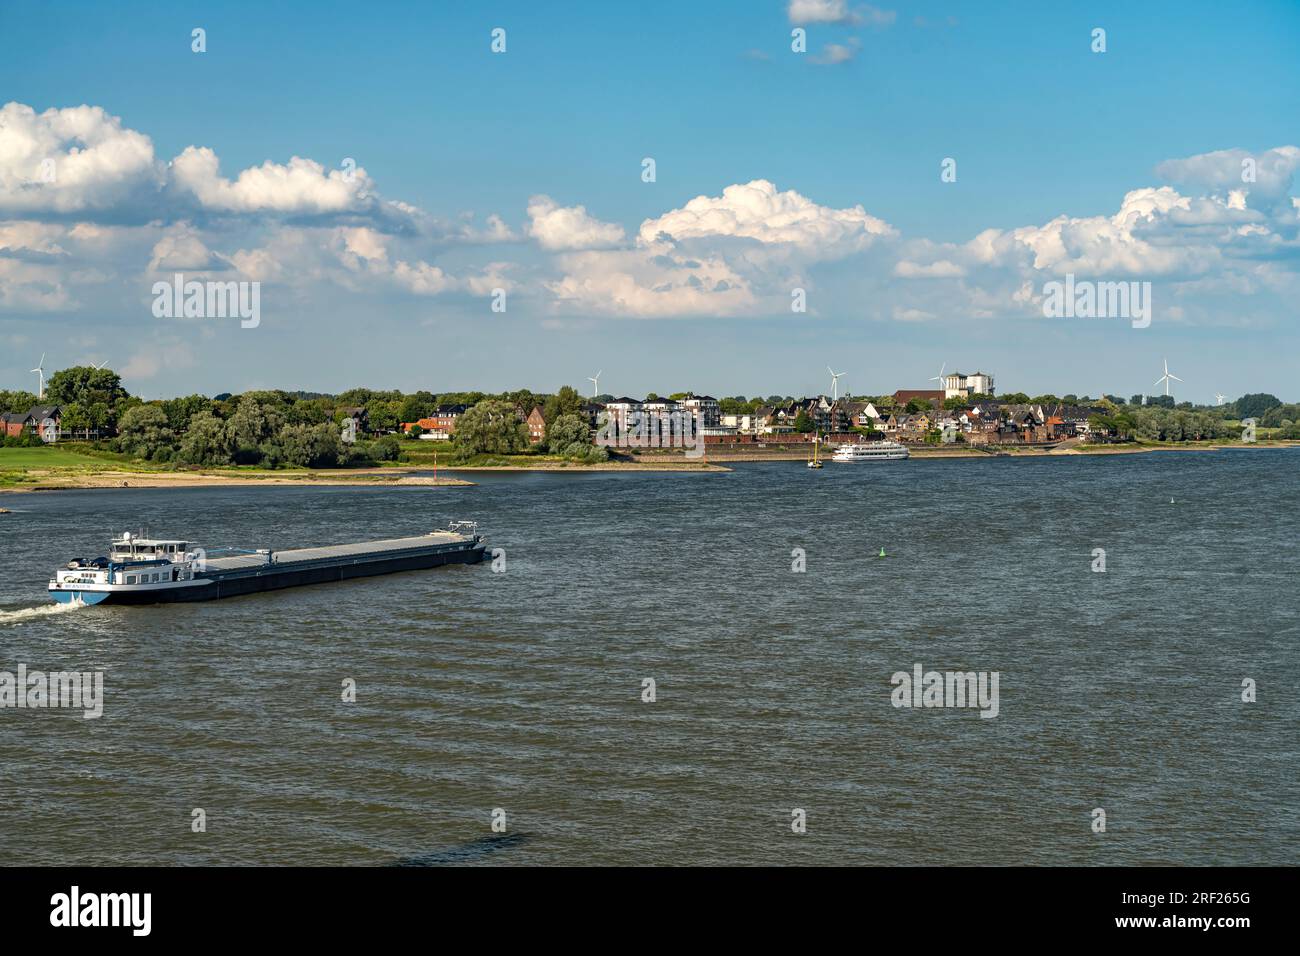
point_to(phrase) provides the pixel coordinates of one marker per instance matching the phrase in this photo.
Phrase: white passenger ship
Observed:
(870, 451)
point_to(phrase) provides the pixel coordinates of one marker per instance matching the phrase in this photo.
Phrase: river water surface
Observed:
(522, 690)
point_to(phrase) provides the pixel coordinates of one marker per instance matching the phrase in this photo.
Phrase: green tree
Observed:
(384, 416)
(388, 448)
(76, 419)
(566, 401)
(85, 385)
(143, 432)
(310, 446)
(253, 428)
(733, 405)
(417, 406)
(18, 401)
(566, 431)
(491, 427)
(1280, 416)
(312, 411)
(803, 423)
(1256, 404)
(99, 417)
(179, 411)
(207, 441)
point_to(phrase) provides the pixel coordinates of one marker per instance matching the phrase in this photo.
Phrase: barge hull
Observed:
(274, 578)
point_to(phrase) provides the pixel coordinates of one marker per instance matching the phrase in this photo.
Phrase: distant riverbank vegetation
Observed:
(272, 429)
(278, 429)
(1160, 419)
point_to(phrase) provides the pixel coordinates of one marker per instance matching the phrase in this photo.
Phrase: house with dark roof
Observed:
(14, 423)
(43, 420)
(360, 417)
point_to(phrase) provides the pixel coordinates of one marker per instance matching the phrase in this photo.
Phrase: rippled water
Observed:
(522, 690)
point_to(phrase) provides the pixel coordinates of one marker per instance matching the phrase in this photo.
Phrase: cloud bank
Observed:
(90, 216)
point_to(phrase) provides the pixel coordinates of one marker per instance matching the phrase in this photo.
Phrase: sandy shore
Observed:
(366, 478)
(401, 476)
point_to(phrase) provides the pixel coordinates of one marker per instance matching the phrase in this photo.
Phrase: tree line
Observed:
(273, 428)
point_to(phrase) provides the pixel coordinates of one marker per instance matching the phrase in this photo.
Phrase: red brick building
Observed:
(536, 425)
(905, 395)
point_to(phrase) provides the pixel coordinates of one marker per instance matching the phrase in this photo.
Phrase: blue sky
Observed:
(1040, 126)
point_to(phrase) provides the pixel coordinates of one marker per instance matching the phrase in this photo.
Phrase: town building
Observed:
(905, 395)
(621, 417)
(705, 408)
(45, 421)
(444, 418)
(536, 425)
(440, 425)
(360, 418)
(961, 385)
(592, 411)
(14, 423)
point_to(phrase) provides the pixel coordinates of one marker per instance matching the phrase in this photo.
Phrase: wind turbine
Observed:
(101, 365)
(1220, 397)
(40, 370)
(835, 383)
(940, 379)
(1167, 377)
(595, 382)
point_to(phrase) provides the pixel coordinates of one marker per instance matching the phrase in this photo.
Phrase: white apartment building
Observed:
(705, 408)
(959, 384)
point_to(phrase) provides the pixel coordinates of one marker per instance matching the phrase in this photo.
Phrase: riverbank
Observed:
(87, 472)
(369, 478)
(1019, 451)
(679, 465)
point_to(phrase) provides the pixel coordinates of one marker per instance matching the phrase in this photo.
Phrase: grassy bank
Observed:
(79, 466)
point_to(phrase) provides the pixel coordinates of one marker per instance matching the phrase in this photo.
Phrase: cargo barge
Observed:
(142, 570)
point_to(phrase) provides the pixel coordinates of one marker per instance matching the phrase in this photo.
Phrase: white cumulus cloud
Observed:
(758, 211)
(569, 227)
